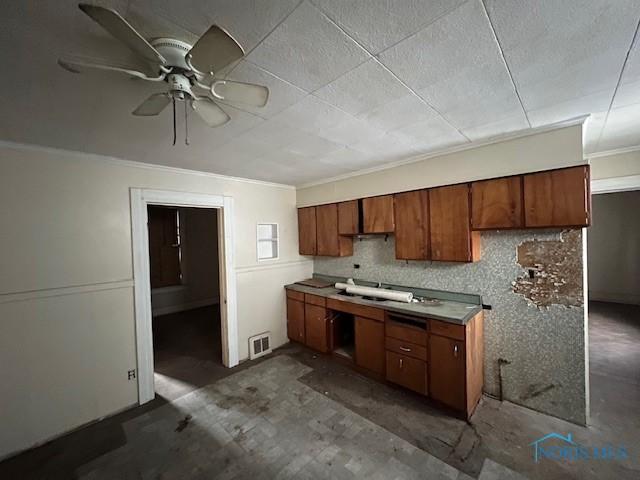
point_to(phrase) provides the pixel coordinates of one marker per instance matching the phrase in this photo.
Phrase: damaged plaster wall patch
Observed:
(553, 271)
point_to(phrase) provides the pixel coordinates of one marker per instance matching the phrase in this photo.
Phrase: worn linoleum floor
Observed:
(296, 414)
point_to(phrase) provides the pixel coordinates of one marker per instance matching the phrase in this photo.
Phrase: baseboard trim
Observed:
(183, 307)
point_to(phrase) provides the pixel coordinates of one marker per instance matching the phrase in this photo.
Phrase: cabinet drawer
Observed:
(354, 308)
(295, 295)
(409, 372)
(445, 329)
(407, 333)
(315, 300)
(406, 348)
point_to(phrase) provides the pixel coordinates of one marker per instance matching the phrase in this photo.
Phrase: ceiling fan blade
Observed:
(153, 105)
(209, 111)
(83, 65)
(239, 92)
(214, 50)
(117, 26)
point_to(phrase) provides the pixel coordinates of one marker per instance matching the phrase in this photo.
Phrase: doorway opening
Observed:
(613, 254)
(185, 298)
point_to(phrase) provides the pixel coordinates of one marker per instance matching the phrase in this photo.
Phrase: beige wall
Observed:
(613, 246)
(542, 151)
(618, 165)
(66, 288)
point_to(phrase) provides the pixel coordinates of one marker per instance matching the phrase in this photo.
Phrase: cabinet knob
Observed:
(455, 351)
(400, 363)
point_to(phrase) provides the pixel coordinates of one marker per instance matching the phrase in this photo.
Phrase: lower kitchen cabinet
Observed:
(407, 371)
(316, 327)
(295, 320)
(448, 383)
(369, 344)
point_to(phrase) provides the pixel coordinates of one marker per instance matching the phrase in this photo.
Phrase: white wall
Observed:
(613, 248)
(618, 165)
(66, 288)
(542, 151)
(199, 247)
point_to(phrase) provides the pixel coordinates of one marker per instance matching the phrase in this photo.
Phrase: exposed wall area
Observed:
(543, 346)
(200, 269)
(613, 246)
(67, 334)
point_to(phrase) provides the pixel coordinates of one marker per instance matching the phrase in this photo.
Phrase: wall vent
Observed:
(259, 345)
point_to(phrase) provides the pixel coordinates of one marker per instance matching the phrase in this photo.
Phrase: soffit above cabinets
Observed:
(353, 85)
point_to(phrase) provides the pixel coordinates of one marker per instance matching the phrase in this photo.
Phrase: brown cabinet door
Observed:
(408, 372)
(450, 225)
(369, 344)
(329, 242)
(497, 203)
(307, 231)
(558, 198)
(348, 218)
(411, 210)
(447, 382)
(295, 320)
(377, 214)
(315, 327)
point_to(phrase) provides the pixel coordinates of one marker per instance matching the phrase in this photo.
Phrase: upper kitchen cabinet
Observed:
(558, 198)
(412, 225)
(307, 231)
(349, 218)
(329, 242)
(451, 237)
(497, 203)
(378, 214)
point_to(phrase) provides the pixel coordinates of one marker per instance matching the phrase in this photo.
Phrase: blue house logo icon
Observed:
(565, 448)
(538, 447)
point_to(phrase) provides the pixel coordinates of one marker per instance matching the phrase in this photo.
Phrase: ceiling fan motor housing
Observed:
(173, 51)
(179, 85)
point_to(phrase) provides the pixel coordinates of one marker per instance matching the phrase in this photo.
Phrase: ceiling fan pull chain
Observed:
(186, 124)
(173, 102)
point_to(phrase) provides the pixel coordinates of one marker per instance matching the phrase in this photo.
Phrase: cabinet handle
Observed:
(400, 363)
(455, 351)
(404, 349)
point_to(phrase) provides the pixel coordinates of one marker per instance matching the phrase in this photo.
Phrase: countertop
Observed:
(447, 310)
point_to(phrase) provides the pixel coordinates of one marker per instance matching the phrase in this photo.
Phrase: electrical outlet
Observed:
(131, 374)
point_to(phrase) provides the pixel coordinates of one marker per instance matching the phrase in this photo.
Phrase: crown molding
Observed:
(135, 164)
(572, 122)
(615, 151)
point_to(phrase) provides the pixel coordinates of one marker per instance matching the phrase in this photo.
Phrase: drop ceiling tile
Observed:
(379, 24)
(364, 88)
(430, 135)
(559, 52)
(570, 108)
(455, 64)
(346, 157)
(629, 90)
(622, 129)
(399, 113)
(308, 50)
(350, 131)
(281, 94)
(312, 115)
(310, 145)
(386, 148)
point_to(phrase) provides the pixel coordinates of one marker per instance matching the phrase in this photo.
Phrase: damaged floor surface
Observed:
(300, 415)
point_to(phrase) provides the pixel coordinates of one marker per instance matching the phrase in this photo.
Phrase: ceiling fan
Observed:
(184, 67)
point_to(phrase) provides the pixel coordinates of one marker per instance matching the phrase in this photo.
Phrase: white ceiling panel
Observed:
(565, 57)
(308, 50)
(364, 88)
(281, 94)
(455, 64)
(629, 90)
(380, 24)
(622, 129)
(559, 52)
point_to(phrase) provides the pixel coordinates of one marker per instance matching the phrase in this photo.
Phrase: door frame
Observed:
(140, 199)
